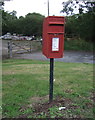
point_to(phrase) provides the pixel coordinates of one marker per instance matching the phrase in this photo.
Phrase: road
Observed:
(69, 56)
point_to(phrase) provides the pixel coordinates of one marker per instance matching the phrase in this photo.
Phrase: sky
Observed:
(23, 7)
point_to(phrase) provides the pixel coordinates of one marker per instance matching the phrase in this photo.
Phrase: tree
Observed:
(32, 24)
(81, 5)
(29, 25)
(82, 24)
(2, 2)
(8, 22)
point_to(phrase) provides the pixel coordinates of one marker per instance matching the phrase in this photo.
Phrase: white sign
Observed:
(55, 44)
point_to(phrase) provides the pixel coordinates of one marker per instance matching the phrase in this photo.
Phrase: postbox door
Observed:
(53, 37)
(56, 34)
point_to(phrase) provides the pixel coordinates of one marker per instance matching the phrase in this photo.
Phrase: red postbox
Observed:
(53, 36)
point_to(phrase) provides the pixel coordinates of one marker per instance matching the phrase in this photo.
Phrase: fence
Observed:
(22, 46)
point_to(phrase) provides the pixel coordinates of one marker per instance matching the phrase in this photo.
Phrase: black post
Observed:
(51, 79)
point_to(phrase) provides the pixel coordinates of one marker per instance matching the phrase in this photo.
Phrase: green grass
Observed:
(26, 79)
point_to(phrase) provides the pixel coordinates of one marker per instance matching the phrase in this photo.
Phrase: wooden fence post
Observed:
(30, 46)
(10, 49)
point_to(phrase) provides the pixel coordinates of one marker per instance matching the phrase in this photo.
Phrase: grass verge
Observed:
(26, 83)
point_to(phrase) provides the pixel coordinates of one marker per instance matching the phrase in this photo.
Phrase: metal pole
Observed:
(51, 79)
(51, 73)
(48, 7)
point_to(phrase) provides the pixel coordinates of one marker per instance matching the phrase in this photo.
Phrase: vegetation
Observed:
(78, 45)
(29, 25)
(82, 24)
(26, 83)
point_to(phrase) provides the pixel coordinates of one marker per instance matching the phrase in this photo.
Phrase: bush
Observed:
(78, 44)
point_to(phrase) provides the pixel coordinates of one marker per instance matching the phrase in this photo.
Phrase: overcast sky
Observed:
(39, 6)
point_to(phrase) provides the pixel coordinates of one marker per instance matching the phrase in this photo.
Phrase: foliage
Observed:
(81, 5)
(29, 25)
(24, 80)
(8, 20)
(78, 44)
(81, 24)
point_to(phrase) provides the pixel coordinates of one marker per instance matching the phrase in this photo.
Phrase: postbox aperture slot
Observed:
(57, 33)
(56, 24)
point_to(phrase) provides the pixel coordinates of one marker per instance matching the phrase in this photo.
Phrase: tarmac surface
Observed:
(69, 56)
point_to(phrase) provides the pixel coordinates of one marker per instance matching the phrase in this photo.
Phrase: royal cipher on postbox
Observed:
(53, 36)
